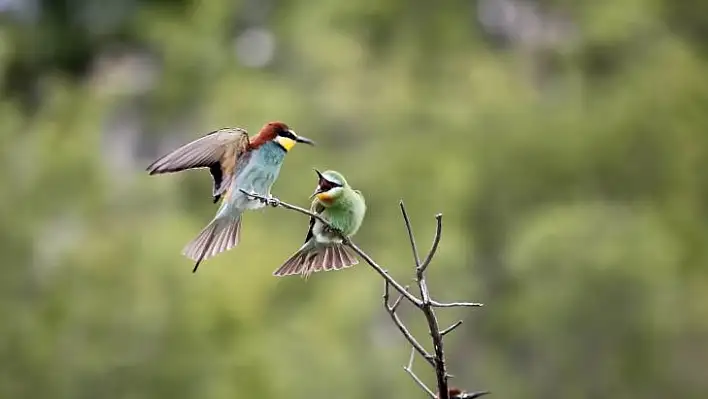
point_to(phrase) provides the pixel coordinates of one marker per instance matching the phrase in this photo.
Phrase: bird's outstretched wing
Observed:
(219, 151)
(317, 208)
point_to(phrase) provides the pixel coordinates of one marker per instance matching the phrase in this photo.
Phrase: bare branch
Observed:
(450, 329)
(386, 293)
(415, 301)
(404, 330)
(437, 304)
(276, 202)
(436, 242)
(398, 300)
(427, 309)
(411, 238)
(409, 370)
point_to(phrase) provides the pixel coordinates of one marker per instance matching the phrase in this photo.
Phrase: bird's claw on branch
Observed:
(273, 201)
(338, 232)
(266, 200)
(253, 195)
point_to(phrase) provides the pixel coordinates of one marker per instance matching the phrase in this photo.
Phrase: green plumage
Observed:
(323, 249)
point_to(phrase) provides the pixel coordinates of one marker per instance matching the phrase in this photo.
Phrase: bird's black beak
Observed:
(305, 140)
(319, 187)
(302, 139)
(317, 191)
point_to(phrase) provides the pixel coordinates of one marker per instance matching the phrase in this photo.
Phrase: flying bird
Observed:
(235, 162)
(344, 208)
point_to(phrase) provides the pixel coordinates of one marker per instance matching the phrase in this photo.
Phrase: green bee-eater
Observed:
(235, 162)
(344, 208)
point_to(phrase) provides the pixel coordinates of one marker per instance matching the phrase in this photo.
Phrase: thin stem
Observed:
(409, 229)
(404, 330)
(450, 329)
(415, 301)
(436, 242)
(437, 304)
(398, 301)
(409, 370)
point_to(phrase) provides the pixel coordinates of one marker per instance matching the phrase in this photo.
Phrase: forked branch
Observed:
(425, 303)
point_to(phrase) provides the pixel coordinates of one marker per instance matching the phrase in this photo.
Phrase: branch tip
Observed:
(451, 328)
(411, 237)
(436, 243)
(437, 304)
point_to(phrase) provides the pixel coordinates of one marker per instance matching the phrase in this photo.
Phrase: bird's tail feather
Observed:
(220, 235)
(313, 258)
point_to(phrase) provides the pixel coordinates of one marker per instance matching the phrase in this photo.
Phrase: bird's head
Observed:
(330, 186)
(456, 393)
(280, 133)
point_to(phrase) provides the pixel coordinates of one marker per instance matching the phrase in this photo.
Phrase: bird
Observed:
(344, 208)
(236, 162)
(456, 393)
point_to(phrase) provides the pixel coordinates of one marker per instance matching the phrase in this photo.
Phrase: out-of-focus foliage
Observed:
(566, 143)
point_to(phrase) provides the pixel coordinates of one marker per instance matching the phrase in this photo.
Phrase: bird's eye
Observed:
(287, 133)
(327, 185)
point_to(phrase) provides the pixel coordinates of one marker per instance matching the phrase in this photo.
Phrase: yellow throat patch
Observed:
(324, 197)
(286, 142)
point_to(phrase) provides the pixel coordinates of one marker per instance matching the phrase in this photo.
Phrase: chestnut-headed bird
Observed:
(344, 208)
(456, 393)
(235, 162)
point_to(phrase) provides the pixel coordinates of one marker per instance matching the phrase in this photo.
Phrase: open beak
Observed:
(319, 188)
(317, 191)
(301, 139)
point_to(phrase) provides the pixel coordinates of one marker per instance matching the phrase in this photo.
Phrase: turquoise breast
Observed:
(262, 169)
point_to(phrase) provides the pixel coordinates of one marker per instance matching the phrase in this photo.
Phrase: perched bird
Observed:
(235, 162)
(344, 208)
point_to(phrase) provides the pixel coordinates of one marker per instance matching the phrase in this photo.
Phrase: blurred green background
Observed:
(566, 142)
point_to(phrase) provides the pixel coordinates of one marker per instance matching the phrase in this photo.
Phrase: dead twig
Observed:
(409, 370)
(451, 328)
(426, 307)
(402, 328)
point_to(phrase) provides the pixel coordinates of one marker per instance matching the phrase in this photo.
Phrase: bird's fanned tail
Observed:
(313, 258)
(219, 236)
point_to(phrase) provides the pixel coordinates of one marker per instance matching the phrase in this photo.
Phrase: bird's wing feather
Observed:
(219, 151)
(236, 155)
(317, 208)
(202, 152)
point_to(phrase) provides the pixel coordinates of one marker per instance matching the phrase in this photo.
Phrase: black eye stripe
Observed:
(327, 185)
(287, 133)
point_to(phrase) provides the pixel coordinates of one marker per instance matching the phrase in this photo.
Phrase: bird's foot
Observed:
(263, 199)
(272, 201)
(337, 232)
(254, 196)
